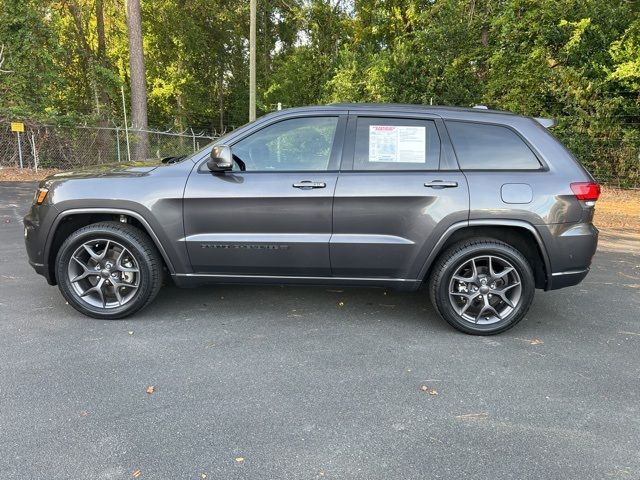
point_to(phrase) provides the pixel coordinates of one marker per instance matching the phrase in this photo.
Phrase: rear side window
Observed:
(396, 144)
(490, 147)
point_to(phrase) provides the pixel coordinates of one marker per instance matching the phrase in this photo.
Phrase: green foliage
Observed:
(575, 60)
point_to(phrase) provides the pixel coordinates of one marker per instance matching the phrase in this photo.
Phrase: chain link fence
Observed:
(61, 147)
(608, 146)
(613, 158)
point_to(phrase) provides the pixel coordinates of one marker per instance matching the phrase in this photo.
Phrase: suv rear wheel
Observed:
(482, 287)
(108, 270)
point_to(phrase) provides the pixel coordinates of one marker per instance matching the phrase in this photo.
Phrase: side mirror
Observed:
(221, 159)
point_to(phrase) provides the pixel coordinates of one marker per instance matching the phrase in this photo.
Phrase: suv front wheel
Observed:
(482, 287)
(108, 270)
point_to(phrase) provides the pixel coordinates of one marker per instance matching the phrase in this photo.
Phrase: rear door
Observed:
(398, 191)
(271, 215)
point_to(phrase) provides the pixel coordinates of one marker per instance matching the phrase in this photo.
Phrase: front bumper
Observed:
(37, 224)
(40, 268)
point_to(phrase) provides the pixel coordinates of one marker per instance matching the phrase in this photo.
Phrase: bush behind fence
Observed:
(613, 160)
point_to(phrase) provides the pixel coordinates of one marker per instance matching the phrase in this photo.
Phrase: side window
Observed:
(490, 147)
(294, 144)
(396, 144)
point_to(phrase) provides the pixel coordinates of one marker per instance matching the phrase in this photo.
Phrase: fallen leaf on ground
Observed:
(151, 389)
(130, 332)
(239, 459)
(473, 416)
(530, 341)
(137, 473)
(429, 390)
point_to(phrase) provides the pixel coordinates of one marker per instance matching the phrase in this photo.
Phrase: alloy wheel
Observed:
(104, 273)
(485, 289)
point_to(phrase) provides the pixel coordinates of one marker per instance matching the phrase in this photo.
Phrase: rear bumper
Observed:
(566, 279)
(571, 248)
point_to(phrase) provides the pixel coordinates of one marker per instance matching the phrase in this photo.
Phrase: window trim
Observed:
(336, 147)
(543, 165)
(349, 153)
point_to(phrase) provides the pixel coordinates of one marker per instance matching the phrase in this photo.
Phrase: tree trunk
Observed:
(485, 36)
(102, 40)
(221, 98)
(138, 80)
(105, 137)
(85, 54)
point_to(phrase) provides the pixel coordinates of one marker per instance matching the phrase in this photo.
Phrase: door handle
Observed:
(441, 184)
(308, 184)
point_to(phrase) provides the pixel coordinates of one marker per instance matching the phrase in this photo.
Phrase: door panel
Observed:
(250, 223)
(386, 224)
(392, 205)
(272, 214)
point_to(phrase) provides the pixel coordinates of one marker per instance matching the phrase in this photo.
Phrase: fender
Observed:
(112, 211)
(487, 223)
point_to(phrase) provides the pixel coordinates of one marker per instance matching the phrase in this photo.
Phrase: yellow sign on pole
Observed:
(17, 127)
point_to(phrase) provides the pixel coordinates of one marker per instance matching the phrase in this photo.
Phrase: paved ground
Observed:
(307, 383)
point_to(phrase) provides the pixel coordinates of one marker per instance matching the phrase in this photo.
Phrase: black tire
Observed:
(140, 247)
(459, 256)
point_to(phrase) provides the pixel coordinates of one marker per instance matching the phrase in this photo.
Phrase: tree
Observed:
(138, 78)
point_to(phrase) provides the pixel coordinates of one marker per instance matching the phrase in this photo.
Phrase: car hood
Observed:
(123, 169)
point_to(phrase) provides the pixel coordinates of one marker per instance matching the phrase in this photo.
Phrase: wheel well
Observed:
(71, 223)
(519, 238)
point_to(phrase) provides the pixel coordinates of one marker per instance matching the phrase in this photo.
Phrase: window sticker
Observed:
(388, 143)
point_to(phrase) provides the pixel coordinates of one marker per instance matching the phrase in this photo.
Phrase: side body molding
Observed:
(113, 211)
(488, 223)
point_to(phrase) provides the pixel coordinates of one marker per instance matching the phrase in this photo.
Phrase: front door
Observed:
(397, 194)
(271, 215)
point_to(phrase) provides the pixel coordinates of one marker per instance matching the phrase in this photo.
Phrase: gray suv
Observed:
(481, 207)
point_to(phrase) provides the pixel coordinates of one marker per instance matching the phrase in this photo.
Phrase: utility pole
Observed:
(252, 61)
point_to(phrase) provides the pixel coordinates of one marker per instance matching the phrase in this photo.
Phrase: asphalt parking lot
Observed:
(312, 382)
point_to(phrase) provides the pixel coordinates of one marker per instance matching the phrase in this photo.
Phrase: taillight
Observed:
(587, 191)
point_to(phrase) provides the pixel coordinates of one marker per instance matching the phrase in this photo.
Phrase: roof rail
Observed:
(546, 122)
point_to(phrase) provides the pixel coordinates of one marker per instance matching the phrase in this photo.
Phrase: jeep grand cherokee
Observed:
(482, 207)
